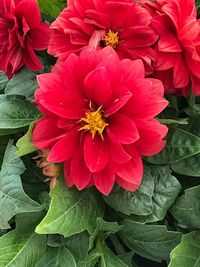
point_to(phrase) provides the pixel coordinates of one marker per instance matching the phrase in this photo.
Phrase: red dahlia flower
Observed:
(178, 48)
(99, 119)
(21, 32)
(121, 24)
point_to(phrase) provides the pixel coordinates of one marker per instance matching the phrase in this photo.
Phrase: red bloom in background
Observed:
(21, 32)
(178, 49)
(121, 24)
(99, 119)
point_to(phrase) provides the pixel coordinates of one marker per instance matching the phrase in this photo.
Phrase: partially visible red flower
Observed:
(21, 32)
(178, 49)
(121, 24)
(99, 119)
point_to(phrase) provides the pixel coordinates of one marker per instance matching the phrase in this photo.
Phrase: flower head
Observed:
(21, 32)
(123, 25)
(99, 119)
(178, 48)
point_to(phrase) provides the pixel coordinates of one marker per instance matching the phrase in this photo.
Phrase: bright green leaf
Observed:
(150, 241)
(13, 200)
(22, 247)
(187, 254)
(71, 212)
(186, 210)
(57, 257)
(52, 8)
(24, 144)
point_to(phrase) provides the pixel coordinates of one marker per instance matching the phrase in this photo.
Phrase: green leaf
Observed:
(155, 196)
(128, 259)
(3, 144)
(33, 180)
(188, 167)
(182, 121)
(187, 254)
(186, 210)
(71, 212)
(180, 145)
(108, 258)
(150, 241)
(166, 190)
(90, 260)
(23, 83)
(3, 80)
(13, 200)
(78, 244)
(104, 229)
(16, 112)
(52, 8)
(57, 257)
(22, 247)
(139, 202)
(24, 144)
(193, 125)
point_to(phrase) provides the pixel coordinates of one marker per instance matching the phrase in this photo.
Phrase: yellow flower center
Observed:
(94, 122)
(112, 39)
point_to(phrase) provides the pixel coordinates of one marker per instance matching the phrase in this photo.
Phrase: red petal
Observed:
(151, 134)
(126, 185)
(168, 41)
(40, 37)
(131, 171)
(45, 85)
(45, 133)
(30, 58)
(120, 98)
(79, 172)
(132, 69)
(104, 180)
(30, 10)
(67, 175)
(97, 86)
(96, 153)
(118, 154)
(139, 36)
(122, 129)
(64, 148)
(63, 103)
(145, 101)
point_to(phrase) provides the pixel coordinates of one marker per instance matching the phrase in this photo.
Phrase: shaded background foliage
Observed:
(159, 225)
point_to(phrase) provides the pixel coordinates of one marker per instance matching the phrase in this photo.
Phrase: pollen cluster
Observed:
(94, 122)
(111, 39)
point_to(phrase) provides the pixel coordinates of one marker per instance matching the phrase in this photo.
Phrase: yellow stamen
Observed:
(112, 39)
(94, 122)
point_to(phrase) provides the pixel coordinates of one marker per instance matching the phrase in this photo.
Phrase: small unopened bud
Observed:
(49, 169)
